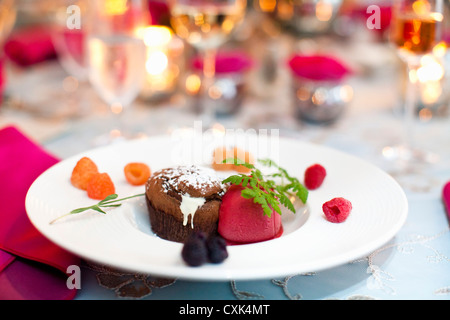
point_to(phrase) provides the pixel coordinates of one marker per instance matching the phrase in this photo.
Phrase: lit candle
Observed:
(430, 74)
(163, 49)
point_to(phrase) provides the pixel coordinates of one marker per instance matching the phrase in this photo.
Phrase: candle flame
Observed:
(156, 36)
(430, 74)
(157, 40)
(157, 63)
(430, 70)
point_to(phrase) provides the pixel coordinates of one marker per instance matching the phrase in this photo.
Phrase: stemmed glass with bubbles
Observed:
(415, 31)
(117, 54)
(206, 25)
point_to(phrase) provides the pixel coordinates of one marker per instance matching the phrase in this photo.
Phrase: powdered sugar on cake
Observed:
(199, 178)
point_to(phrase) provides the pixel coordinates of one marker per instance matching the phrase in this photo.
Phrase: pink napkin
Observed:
(30, 45)
(446, 198)
(5, 259)
(2, 79)
(31, 267)
(318, 68)
(227, 62)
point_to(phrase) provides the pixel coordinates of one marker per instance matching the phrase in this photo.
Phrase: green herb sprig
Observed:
(110, 201)
(264, 190)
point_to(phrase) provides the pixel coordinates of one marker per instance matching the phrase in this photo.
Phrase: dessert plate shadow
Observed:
(123, 239)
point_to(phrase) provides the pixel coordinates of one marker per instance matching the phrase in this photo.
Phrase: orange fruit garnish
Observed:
(137, 173)
(244, 156)
(219, 155)
(100, 186)
(82, 173)
(222, 153)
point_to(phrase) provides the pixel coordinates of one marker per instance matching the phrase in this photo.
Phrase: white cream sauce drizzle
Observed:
(189, 206)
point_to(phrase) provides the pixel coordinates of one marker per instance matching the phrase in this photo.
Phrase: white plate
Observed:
(123, 238)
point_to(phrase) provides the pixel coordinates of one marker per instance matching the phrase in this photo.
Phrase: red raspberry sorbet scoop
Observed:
(243, 221)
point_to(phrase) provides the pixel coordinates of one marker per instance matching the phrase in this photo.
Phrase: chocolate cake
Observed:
(184, 199)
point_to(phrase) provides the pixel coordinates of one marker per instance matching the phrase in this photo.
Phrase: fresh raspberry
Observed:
(337, 210)
(100, 186)
(195, 251)
(217, 249)
(82, 173)
(314, 176)
(137, 173)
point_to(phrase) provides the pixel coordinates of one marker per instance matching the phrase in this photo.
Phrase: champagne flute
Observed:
(206, 25)
(415, 31)
(117, 54)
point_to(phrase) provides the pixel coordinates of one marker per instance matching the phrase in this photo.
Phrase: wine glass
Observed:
(69, 42)
(206, 25)
(117, 55)
(415, 30)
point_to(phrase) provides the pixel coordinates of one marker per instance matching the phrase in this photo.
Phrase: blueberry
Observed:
(195, 251)
(217, 249)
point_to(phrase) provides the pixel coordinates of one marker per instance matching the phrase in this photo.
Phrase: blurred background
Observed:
(296, 65)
